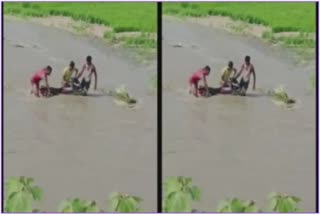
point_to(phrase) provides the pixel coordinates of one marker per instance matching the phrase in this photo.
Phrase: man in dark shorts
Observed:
(245, 72)
(88, 70)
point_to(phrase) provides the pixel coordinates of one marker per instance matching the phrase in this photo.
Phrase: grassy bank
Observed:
(289, 24)
(129, 24)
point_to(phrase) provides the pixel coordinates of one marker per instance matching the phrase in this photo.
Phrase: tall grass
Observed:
(280, 17)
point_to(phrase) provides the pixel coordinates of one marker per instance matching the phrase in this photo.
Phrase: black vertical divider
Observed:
(159, 108)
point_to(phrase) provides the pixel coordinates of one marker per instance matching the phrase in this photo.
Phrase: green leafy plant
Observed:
(179, 193)
(78, 206)
(20, 194)
(278, 202)
(236, 205)
(124, 203)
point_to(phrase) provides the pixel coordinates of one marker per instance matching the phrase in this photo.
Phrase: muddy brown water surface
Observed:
(76, 146)
(236, 146)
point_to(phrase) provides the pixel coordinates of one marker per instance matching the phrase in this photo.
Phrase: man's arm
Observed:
(239, 73)
(81, 72)
(234, 72)
(95, 78)
(47, 84)
(205, 81)
(76, 70)
(254, 78)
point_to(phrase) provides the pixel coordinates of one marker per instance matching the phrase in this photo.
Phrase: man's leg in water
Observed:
(244, 86)
(37, 84)
(196, 89)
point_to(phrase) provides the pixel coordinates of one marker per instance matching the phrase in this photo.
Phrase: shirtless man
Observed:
(245, 72)
(88, 69)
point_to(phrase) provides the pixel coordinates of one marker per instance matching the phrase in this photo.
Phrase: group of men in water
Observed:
(229, 79)
(70, 78)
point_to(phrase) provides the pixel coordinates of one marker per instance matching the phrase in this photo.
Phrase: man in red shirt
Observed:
(196, 77)
(37, 77)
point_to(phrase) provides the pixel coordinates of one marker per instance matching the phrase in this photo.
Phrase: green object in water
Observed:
(281, 95)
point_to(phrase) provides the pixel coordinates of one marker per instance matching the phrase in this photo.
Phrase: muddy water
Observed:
(236, 146)
(77, 146)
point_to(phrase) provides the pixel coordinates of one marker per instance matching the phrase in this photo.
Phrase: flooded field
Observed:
(236, 146)
(76, 146)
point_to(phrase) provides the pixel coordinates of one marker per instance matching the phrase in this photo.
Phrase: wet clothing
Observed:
(77, 86)
(244, 84)
(226, 74)
(67, 74)
(88, 70)
(246, 71)
(196, 76)
(38, 76)
(85, 84)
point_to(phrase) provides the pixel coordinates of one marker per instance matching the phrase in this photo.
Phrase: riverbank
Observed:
(291, 25)
(132, 27)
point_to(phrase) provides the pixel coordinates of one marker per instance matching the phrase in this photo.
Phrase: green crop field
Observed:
(120, 17)
(280, 17)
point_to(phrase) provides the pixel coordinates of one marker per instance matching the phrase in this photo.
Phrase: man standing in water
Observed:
(37, 77)
(88, 70)
(245, 72)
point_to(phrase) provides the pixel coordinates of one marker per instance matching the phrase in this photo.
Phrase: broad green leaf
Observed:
(292, 204)
(125, 207)
(187, 181)
(281, 206)
(65, 206)
(195, 193)
(13, 185)
(20, 202)
(272, 204)
(236, 206)
(114, 202)
(223, 205)
(251, 209)
(29, 181)
(178, 203)
(172, 185)
(93, 208)
(136, 204)
(36, 193)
